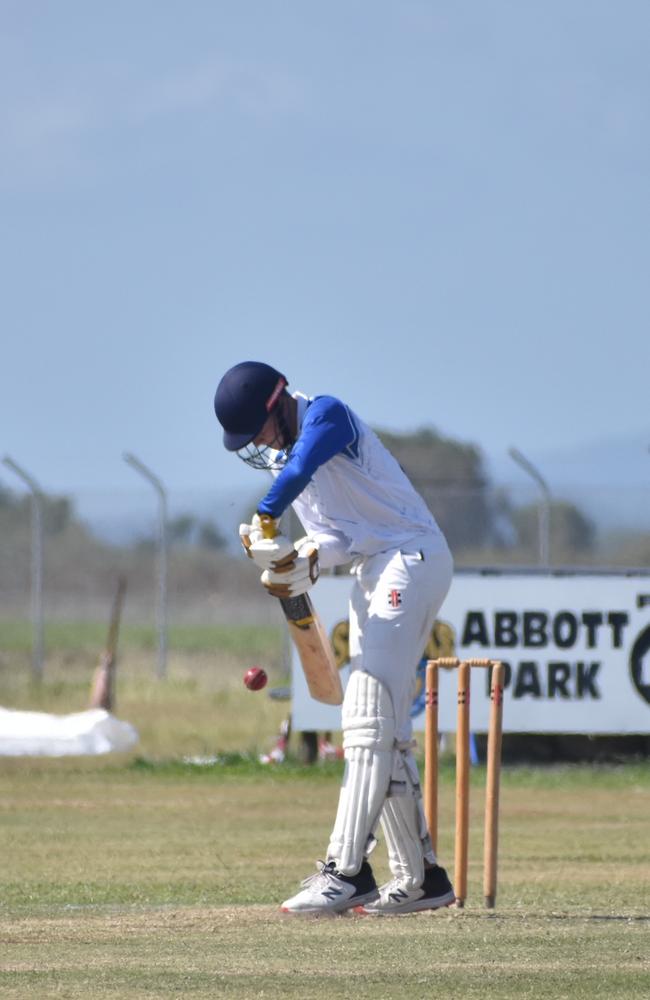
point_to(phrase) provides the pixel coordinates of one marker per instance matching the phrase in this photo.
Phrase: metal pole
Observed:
(161, 607)
(544, 509)
(38, 643)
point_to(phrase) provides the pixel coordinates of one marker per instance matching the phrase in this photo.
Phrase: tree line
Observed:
(451, 475)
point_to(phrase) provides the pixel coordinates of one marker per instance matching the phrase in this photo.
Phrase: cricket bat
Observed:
(310, 639)
(314, 649)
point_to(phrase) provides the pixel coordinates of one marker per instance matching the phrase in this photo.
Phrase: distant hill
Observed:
(609, 480)
(122, 517)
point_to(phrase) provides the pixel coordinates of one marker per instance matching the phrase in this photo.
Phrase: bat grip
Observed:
(269, 527)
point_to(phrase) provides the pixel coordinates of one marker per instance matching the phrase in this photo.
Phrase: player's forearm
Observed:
(288, 485)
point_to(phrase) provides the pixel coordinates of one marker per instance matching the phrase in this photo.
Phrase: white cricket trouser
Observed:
(393, 606)
(394, 601)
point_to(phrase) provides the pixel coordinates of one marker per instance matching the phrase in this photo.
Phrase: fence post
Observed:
(544, 510)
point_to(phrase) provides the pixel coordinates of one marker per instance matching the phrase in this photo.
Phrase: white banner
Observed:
(576, 645)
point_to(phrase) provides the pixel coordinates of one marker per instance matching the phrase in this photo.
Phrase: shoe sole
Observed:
(331, 911)
(417, 906)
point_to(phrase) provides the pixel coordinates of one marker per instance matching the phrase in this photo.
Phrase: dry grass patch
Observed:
(236, 951)
(146, 877)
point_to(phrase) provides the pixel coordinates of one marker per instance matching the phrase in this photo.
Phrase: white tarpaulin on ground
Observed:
(576, 647)
(37, 734)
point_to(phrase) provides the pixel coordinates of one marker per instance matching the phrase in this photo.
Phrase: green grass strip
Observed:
(16, 636)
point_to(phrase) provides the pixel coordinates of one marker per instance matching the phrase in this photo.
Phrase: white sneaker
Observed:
(393, 898)
(328, 891)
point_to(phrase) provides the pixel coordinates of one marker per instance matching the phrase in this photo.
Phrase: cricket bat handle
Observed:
(269, 525)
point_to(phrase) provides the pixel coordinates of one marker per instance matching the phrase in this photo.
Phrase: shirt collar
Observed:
(303, 402)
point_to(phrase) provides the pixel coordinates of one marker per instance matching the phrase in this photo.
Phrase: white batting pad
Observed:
(404, 823)
(368, 724)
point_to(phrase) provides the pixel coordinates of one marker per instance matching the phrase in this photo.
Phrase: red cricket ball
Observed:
(255, 678)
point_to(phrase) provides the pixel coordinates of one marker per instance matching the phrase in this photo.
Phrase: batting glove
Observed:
(296, 576)
(267, 553)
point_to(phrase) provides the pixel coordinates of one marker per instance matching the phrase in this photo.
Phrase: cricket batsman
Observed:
(356, 505)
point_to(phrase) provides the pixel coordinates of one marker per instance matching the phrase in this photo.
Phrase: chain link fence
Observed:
(88, 542)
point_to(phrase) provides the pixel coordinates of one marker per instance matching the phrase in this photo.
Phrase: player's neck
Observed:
(290, 414)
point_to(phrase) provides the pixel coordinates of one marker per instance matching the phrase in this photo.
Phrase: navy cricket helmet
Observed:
(245, 397)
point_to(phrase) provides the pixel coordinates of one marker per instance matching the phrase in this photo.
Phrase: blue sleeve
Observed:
(327, 430)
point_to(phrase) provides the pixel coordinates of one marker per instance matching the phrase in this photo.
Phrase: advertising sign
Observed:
(576, 648)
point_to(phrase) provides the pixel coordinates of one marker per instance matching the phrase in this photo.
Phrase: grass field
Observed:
(144, 876)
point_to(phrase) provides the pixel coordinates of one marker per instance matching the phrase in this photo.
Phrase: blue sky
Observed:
(439, 211)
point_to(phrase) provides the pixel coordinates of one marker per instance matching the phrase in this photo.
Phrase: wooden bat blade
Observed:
(314, 649)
